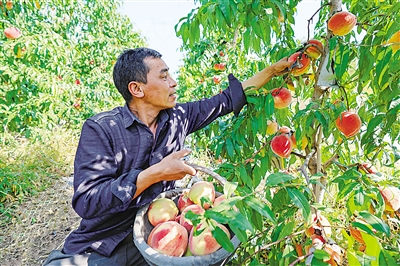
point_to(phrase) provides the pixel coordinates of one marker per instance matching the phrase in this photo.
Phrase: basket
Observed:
(142, 229)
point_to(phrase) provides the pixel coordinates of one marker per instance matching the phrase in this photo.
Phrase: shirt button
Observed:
(150, 137)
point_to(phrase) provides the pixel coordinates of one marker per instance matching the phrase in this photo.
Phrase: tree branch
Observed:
(304, 167)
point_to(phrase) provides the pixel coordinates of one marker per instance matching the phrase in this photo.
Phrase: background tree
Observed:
(56, 60)
(323, 203)
(58, 71)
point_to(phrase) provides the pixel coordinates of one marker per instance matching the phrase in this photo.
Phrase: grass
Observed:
(27, 166)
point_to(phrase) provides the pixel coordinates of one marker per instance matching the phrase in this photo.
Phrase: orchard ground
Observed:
(41, 224)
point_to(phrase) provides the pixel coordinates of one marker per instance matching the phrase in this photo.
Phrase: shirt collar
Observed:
(130, 118)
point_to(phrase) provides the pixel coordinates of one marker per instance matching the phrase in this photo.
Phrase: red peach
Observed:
(162, 210)
(281, 145)
(204, 243)
(349, 123)
(185, 222)
(184, 201)
(303, 62)
(217, 79)
(282, 97)
(205, 190)
(169, 238)
(341, 23)
(312, 51)
(391, 195)
(12, 33)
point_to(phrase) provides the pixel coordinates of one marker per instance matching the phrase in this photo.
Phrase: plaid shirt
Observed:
(114, 148)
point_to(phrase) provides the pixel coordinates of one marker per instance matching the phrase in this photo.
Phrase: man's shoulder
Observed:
(116, 113)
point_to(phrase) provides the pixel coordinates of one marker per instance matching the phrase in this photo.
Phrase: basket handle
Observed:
(203, 169)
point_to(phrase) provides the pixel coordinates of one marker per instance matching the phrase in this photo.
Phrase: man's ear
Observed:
(135, 89)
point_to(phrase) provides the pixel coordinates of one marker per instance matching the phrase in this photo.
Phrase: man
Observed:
(127, 156)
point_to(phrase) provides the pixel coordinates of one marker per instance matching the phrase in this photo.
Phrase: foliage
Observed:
(324, 174)
(59, 71)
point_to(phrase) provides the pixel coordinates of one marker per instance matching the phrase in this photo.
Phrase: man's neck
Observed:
(147, 116)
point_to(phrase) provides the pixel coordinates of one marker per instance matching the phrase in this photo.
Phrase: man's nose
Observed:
(172, 82)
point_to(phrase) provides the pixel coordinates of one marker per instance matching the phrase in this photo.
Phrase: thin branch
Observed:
(251, 159)
(310, 19)
(300, 259)
(273, 243)
(304, 167)
(330, 161)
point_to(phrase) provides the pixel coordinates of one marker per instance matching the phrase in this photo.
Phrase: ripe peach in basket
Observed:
(169, 238)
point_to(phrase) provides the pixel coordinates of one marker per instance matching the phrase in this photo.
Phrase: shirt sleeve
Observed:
(98, 187)
(203, 112)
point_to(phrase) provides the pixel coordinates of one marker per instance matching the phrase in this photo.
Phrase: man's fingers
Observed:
(190, 170)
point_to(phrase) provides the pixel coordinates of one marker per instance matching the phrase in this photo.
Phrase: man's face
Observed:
(160, 89)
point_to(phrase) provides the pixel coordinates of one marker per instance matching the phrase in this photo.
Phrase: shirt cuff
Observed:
(237, 94)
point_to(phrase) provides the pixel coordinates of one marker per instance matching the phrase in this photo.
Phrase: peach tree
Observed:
(313, 172)
(56, 61)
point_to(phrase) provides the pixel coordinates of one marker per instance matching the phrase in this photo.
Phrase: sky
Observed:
(156, 19)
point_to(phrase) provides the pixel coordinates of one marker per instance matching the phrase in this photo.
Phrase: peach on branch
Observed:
(185, 222)
(162, 210)
(9, 5)
(202, 190)
(349, 123)
(341, 23)
(272, 127)
(391, 195)
(369, 168)
(217, 79)
(312, 50)
(183, 200)
(395, 41)
(301, 63)
(12, 33)
(220, 67)
(169, 238)
(282, 145)
(205, 243)
(282, 97)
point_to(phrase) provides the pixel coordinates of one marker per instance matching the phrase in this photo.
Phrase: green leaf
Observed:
(229, 188)
(321, 254)
(278, 178)
(347, 190)
(287, 229)
(375, 222)
(269, 105)
(222, 239)
(300, 201)
(261, 208)
(385, 259)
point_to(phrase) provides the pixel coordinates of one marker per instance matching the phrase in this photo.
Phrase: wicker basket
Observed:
(142, 229)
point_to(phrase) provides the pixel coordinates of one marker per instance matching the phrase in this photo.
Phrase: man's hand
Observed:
(281, 67)
(172, 167)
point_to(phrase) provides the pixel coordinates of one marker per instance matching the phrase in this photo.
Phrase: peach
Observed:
(220, 67)
(395, 41)
(12, 33)
(217, 79)
(341, 23)
(391, 195)
(369, 168)
(162, 210)
(282, 97)
(205, 243)
(185, 222)
(303, 63)
(218, 200)
(317, 241)
(272, 127)
(349, 123)
(169, 238)
(202, 190)
(183, 200)
(313, 51)
(281, 145)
